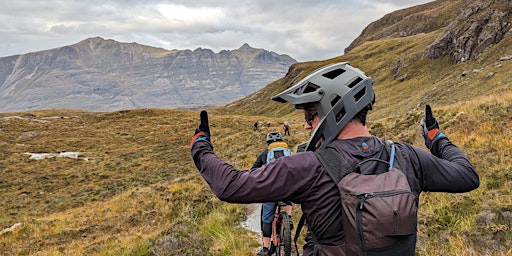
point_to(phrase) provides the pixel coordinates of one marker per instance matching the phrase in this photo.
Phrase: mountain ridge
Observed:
(105, 75)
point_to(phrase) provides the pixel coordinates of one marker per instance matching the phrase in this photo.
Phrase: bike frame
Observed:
(281, 218)
(275, 226)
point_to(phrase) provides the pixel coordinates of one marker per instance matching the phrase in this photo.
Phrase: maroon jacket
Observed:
(301, 178)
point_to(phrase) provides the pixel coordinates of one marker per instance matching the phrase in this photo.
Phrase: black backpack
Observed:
(379, 210)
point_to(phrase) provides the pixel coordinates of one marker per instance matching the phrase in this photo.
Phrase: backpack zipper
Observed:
(359, 212)
(365, 196)
(359, 218)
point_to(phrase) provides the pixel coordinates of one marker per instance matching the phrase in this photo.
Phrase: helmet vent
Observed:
(360, 94)
(335, 100)
(340, 114)
(355, 82)
(310, 87)
(334, 73)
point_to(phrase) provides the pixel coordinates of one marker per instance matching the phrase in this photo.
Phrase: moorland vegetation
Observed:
(132, 189)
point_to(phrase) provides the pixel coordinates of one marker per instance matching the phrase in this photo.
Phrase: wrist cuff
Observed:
(432, 134)
(196, 137)
(200, 138)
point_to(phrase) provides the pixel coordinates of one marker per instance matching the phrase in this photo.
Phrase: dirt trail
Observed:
(253, 223)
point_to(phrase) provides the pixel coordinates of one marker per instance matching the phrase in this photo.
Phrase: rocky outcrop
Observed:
(105, 75)
(414, 20)
(470, 27)
(478, 27)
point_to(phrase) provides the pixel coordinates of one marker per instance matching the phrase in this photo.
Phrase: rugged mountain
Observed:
(470, 26)
(105, 75)
(481, 25)
(414, 20)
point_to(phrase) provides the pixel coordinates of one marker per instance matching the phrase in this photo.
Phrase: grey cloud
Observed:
(305, 30)
(399, 3)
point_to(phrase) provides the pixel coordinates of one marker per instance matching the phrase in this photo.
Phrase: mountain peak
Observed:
(94, 39)
(245, 47)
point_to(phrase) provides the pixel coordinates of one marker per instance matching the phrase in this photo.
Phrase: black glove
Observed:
(430, 128)
(202, 132)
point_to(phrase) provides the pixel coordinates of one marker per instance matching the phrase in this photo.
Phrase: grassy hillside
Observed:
(125, 184)
(131, 190)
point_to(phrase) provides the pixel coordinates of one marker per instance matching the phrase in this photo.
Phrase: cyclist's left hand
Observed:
(202, 132)
(430, 128)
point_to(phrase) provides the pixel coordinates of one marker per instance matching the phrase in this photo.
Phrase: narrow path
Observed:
(253, 221)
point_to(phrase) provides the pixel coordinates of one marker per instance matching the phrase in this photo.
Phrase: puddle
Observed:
(253, 221)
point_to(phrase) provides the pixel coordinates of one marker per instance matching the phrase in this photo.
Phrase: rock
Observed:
(479, 26)
(489, 75)
(11, 229)
(485, 218)
(507, 217)
(505, 58)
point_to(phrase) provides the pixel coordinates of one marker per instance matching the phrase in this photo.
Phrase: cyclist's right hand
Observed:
(202, 132)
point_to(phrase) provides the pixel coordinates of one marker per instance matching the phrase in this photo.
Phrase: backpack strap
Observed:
(395, 156)
(391, 152)
(297, 232)
(337, 168)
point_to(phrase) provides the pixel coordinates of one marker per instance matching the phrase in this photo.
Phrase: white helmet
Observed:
(335, 90)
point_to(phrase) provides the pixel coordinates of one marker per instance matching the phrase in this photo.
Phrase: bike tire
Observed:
(284, 247)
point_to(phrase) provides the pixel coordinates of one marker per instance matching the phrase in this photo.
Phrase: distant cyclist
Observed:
(276, 148)
(286, 128)
(336, 100)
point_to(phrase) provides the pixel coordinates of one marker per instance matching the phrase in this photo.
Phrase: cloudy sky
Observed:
(305, 30)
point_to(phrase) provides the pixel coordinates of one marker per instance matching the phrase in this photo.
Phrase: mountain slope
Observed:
(105, 75)
(133, 190)
(414, 20)
(403, 64)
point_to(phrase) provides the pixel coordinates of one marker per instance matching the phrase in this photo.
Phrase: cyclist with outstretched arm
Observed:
(341, 125)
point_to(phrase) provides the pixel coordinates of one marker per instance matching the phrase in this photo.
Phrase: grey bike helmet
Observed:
(273, 137)
(338, 92)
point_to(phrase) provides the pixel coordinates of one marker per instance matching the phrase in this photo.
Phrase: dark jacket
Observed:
(261, 160)
(447, 169)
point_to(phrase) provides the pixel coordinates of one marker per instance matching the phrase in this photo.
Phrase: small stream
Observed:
(253, 222)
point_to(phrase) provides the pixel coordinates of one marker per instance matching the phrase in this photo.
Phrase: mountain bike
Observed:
(281, 240)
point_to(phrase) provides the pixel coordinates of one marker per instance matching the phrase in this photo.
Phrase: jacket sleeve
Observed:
(264, 184)
(447, 169)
